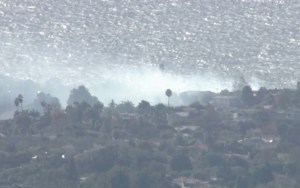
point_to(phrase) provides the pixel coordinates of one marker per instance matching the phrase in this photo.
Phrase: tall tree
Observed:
(20, 97)
(261, 94)
(126, 107)
(248, 96)
(19, 101)
(263, 174)
(72, 171)
(239, 83)
(168, 94)
(181, 162)
(82, 94)
(103, 160)
(144, 108)
(112, 104)
(45, 101)
(159, 116)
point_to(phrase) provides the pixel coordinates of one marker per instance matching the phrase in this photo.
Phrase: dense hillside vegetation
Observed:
(241, 139)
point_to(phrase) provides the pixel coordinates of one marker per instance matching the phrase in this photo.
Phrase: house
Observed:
(270, 138)
(237, 155)
(289, 114)
(129, 117)
(183, 116)
(243, 114)
(186, 182)
(200, 146)
(226, 101)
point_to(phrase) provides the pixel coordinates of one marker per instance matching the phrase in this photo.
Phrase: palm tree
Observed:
(20, 98)
(169, 94)
(17, 103)
(44, 105)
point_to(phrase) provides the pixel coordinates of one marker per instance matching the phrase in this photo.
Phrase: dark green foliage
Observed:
(242, 182)
(261, 94)
(118, 178)
(262, 116)
(17, 159)
(284, 99)
(225, 92)
(168, 94)
(227, 175)
(237, 161)
(159, 116)
(263, 174)
(298, 85)
(144, 109)
(210, 117)
(81, 94)
(145, 146)
(48, 179)
(197, 105)
(248, 96)
(245, 126)
(268, 100)
(119, 134)
(147, 131)
(93, 114)
(24, 119)
(239, 83)
(19, 102)
(181, 162)
(292, 135)
(44, 121)
(103, 148)
(144, 180)
(144, 106)
(73, 113)
(3, 159)
(213, 159)
(45, 102)
(296, 98)
(104, 159)
(291, 169)
(83, 111)
(126, 107)
(55, 161)
(148, 178)
(71, 171)
(112, 104)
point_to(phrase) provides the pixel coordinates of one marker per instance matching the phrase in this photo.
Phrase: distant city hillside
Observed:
(239, 139)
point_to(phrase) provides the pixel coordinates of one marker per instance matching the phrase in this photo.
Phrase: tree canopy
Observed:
(82, 94)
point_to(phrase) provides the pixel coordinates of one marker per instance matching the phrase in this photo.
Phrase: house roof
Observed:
(2, 135)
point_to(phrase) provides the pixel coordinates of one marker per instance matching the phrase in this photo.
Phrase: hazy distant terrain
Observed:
(94, 40)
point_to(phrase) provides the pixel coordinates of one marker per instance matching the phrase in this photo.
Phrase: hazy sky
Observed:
(115, 47)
